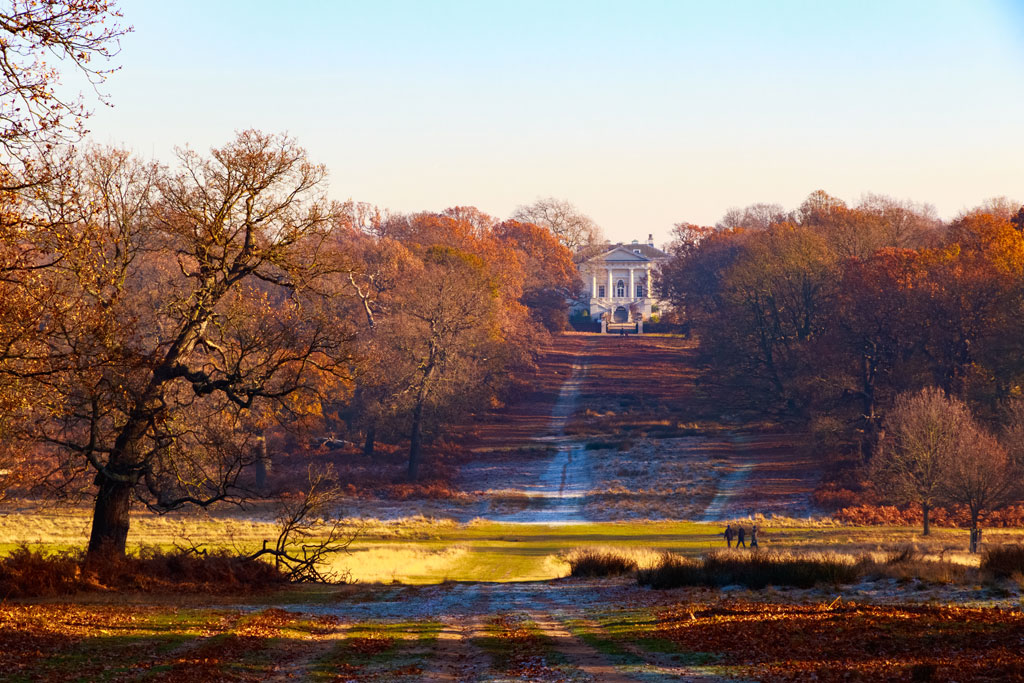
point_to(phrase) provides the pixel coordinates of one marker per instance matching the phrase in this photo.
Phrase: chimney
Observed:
(650, 240)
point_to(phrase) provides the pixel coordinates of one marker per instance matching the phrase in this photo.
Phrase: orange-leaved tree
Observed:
(186, 319)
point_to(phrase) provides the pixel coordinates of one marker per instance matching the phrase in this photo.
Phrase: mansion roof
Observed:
(637, 252)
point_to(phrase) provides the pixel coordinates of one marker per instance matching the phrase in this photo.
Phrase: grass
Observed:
(754, 570)
(421, 550)
(1004, 560)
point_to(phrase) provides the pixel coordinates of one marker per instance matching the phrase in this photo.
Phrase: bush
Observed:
(1004, 560)
(754, 570)
(958, 516)
(28, 573)
(673, 571)
(593, 563)
(25, 573)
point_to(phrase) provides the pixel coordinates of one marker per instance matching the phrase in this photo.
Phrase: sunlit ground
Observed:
(423, 551)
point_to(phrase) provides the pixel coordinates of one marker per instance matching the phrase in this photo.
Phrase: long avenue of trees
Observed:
(158, 323)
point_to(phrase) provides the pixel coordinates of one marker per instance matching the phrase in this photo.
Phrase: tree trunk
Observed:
(415, 441)
(371, 441)
(925, 509)
(110, 518)
(975, 531)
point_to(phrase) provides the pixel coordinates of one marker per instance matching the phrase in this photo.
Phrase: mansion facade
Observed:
(620, 282)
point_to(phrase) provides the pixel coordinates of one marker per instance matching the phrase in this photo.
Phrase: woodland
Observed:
(889, 336)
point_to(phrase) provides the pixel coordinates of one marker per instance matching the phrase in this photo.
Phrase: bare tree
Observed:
(759, 216)
(924, 433)
(902, 223)
(1002, 207)
(306, 540)
(980, 477)
(573, 228)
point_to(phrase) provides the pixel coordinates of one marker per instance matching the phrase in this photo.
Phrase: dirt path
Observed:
(455, 656)
(548, 490)
(729, 487)
(578, 654)
(628, 436)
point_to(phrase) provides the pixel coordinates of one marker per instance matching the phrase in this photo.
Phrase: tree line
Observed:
(832, 316)
(158, 322)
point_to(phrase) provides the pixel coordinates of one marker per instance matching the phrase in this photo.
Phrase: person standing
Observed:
(728, 535)
(753, 538)
(740, 534)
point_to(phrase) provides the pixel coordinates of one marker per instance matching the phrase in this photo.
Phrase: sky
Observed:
(642, 113)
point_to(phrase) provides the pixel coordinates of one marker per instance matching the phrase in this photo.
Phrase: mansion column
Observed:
(632, 286)
(593, 285)
(609, 292)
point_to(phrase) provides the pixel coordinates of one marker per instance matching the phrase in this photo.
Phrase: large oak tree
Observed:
(186, 318)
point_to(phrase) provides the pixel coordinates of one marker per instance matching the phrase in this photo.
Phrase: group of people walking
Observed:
(740, 534)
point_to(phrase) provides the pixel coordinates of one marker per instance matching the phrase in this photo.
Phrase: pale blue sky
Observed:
(641, 113)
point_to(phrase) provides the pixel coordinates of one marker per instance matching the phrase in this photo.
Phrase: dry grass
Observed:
(27, 573)
(594, 563)
(751, 569)
(226, 527)
(609, 561)
(655, 478)
(1004, 561)
(802, 569)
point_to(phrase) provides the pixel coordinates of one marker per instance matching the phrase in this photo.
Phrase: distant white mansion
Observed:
(621, 282)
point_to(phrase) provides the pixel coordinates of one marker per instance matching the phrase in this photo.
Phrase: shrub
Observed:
(600, 563)
(832, 497)
(958, 516)
(25, 573)
(28, 573)
(672, 571)
(1004, 560)
(754, 570)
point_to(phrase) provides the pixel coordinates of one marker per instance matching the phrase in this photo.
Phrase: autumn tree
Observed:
(184, 322)
(550, 278)
(447, 327)
(925, 432)
(876, 333)
(692, 279)
(572, 227)
(974, 301)
(36, 40)
(775, 297)
(1012, 434)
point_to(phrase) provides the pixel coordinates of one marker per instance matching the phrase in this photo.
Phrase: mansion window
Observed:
(639, 291)
(600, 291)
(620, 289)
